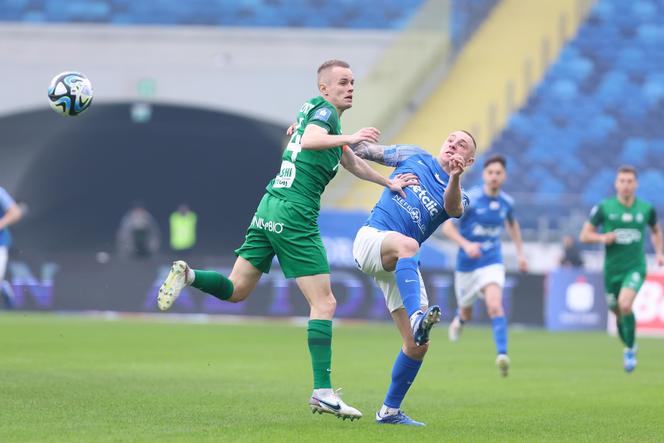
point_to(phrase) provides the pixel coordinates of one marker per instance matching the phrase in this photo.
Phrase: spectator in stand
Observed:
(571, 253)
(182, 224)
(138, 235)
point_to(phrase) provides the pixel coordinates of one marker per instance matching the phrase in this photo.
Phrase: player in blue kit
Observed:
(387, 247)
(10, 213)
(480, 271)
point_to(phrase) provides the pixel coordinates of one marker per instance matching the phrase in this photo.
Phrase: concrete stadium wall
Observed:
(263, 73)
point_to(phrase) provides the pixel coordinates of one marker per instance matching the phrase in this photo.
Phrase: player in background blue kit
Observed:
(10, 213)
(387, 247)
(480, 271)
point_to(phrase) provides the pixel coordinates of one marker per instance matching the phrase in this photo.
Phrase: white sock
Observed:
(414, 316)
(190, 276)
(323, 392)
(386, 410)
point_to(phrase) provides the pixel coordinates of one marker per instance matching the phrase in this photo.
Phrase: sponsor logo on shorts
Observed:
(269, 225)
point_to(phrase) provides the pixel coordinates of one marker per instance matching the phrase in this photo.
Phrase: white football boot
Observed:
(175, 281)
(455, 329)
(331, 403)
(503, 363)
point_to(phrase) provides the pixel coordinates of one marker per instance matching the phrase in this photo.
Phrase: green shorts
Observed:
(289, 231)
(614, 283)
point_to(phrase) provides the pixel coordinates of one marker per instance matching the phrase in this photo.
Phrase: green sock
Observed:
(629, 329)
(620, 329)
(213, 283)
(319, 335)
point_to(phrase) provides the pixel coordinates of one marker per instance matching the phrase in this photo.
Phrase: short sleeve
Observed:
(395, 154)
(596, 216)
(325, 117)
(652, 218)
(6, 201)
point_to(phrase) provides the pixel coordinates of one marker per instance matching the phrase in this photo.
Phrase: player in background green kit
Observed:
(286, 225)
(624, 219)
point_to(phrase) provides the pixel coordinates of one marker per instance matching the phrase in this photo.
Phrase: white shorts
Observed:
(366, 252)
(3, 262)
(468, 285)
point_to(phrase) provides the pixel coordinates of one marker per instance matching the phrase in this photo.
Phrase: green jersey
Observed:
(628, 224)
(304, 173)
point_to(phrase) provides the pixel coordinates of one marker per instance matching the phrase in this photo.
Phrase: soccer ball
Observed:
(70, 93)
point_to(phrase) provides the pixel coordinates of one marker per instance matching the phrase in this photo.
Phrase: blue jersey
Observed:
(422, 211)
(483, 223)
(6, 201)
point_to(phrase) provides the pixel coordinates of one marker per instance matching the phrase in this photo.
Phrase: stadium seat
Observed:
(600, 104)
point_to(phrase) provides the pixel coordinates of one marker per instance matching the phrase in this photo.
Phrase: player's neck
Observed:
(445, 166)
(626, 201)
(491, 192)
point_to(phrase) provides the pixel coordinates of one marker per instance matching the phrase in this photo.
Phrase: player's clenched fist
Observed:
(457, 164)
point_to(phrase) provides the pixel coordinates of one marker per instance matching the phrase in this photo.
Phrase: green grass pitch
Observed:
(84, 379)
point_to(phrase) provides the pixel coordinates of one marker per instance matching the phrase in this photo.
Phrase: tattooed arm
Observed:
(388, 155)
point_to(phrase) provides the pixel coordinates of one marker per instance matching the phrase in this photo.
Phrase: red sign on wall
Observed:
(649, 306)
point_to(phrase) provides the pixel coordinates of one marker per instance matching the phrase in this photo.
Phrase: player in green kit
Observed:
(286, 225)
(624, 219)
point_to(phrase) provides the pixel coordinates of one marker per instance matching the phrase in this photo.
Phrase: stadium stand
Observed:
(370, 14)
(600, 105)
(492, 76)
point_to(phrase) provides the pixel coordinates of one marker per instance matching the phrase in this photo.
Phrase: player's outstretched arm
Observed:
(450, 230)
(361, 169)
(589, 234)
(12, 215)
(388, 155)
(315, 137)
(657, 238)
(513, 229)
(452, 199)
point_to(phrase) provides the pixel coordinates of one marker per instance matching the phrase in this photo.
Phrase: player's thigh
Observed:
(257, 248)
(3, 262)
(244, 276)
(298, 244)
(612, 285)
(633, 280)
(466, 288)
(493, 298)
(629, 288)
(395, 246)
(317, 289)
(367, 249)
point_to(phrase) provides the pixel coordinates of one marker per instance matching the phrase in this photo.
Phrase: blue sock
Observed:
(499, 325)
(404, 372)
(408, 281)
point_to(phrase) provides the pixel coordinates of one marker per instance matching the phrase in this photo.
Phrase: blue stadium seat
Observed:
(369, 14)
(600, 104)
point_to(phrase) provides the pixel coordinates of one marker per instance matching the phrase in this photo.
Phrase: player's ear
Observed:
(322, 87)
(470, 162)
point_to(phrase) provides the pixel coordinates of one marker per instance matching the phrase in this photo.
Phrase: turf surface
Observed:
(85, 379)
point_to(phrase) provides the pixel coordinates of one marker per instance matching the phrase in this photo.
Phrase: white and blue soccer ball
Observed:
(70, 93)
